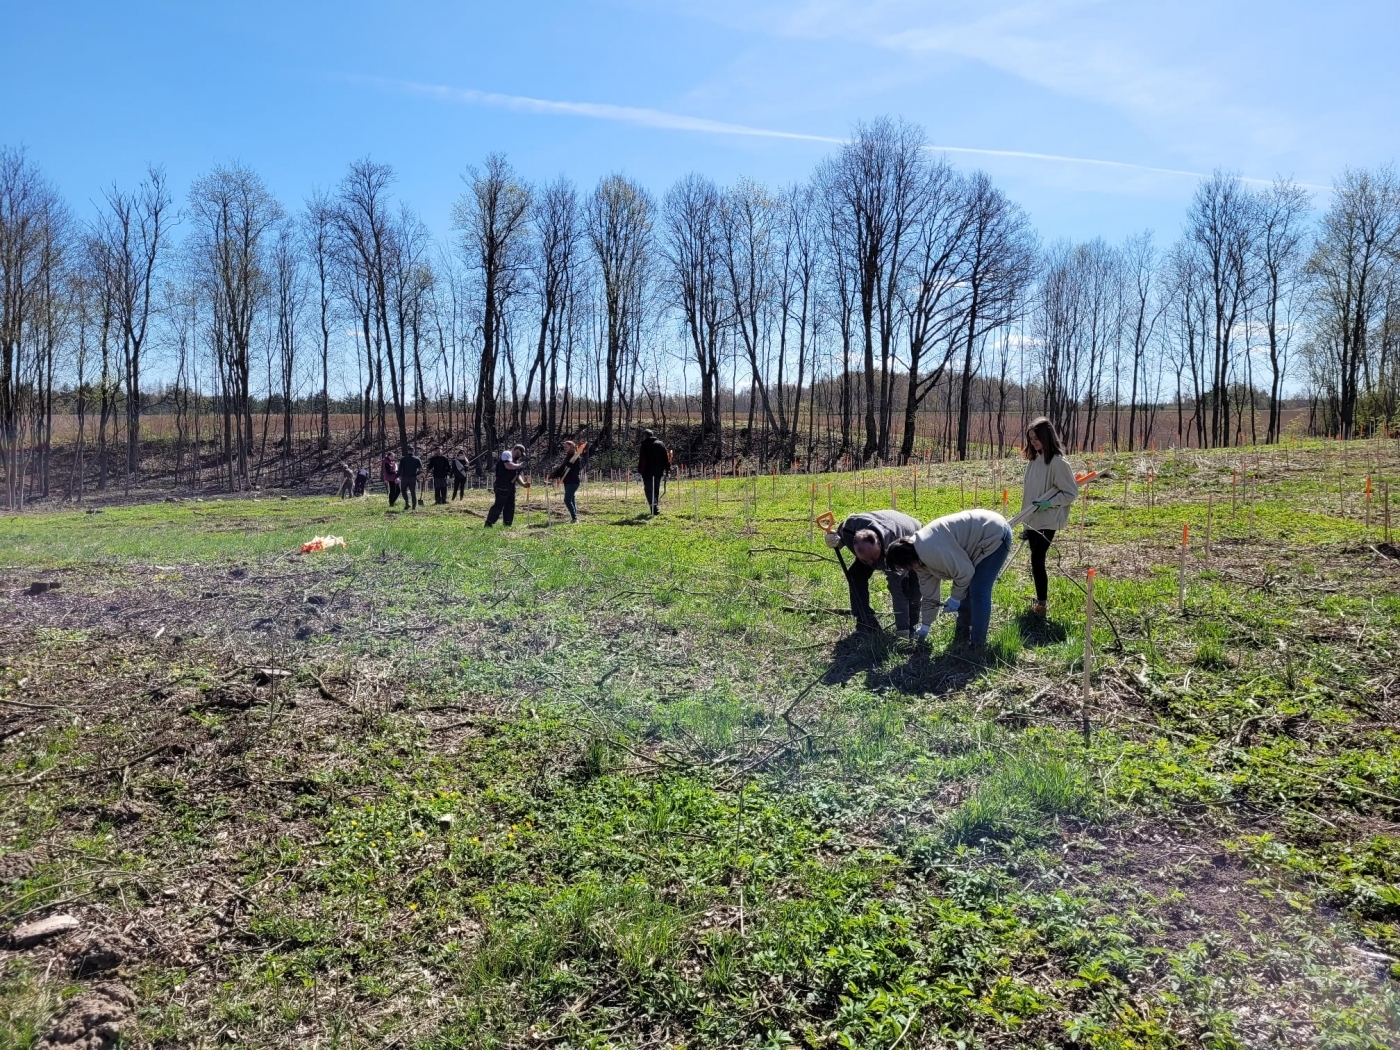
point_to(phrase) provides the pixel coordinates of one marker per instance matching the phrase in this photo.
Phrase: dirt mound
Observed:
(93, 1021)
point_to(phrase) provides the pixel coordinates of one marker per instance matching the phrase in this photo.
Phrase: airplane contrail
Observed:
(656, 118)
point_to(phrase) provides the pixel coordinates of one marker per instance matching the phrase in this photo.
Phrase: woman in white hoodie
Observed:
(968, 549)
(1051, 487)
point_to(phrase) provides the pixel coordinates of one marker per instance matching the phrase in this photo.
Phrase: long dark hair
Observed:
(1049, 440)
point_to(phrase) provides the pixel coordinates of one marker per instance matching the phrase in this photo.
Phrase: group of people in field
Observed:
(401, 477)
(967, 550)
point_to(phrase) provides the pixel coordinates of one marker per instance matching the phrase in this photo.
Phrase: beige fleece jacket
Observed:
(949, 548)
(1053, 481)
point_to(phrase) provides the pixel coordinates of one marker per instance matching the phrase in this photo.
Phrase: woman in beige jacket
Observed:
(1051, 487)
(968, 549)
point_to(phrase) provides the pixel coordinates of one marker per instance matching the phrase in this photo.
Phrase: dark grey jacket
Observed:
(889, 525)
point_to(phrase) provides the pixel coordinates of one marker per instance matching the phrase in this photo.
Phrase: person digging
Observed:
(868, 536)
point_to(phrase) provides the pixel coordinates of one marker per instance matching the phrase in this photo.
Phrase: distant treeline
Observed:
(888, 308)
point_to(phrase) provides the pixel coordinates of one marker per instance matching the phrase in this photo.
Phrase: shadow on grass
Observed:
(1039, 630)
(923, 671)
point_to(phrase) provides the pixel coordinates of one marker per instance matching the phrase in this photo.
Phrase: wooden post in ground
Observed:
(1210, 512)
(894, 496)
(828, 496)
(1125, 499)
(1234, 489)
(1005, 493)
(1368, 503)
(1253, 485)
(914, 480)
(1385, 508)
(1181, 576)
(812, 516)
(1087, 692)
(1083, 514)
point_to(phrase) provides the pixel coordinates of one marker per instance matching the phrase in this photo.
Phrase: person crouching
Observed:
(869, 535)
(969, 550)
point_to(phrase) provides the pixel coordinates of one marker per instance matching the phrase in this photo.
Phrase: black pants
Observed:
(651, 485)
(459, 487)
(410, 493)
(394, 490)
(503, 508)
(439, 490)
(1039, 542)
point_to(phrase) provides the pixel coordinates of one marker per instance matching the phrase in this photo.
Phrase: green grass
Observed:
(630, 784)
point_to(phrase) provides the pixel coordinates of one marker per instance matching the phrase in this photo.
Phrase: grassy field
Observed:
(635, 783)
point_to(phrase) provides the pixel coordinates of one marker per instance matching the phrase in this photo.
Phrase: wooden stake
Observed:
(1004, 494)
(1253, 485)
(1385, 508)
(1181, 576)
(1125, 499)
(1086, 695)
(1234, 488)
(1210, 511)
(812, 516)
(1083, 514)
(1368, 502)
(828, 496)
(894, 496)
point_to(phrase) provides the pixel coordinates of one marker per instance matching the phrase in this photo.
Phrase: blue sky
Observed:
(297, 90)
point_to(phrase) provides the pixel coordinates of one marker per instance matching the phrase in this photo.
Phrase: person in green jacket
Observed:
(1051, 488)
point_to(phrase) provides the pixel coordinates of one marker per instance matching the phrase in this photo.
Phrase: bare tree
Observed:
(557, 230)
(318, 231)
(492, 218)
(872, 187)
(370, 242)
(1000, 263)
(234, 216)
(134, 227)
(33, 231)
(289, 296)
(620, 231)
(691, 248)
(1356, 252)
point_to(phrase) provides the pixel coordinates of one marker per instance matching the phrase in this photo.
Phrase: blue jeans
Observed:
(571, 502)
(975, 612)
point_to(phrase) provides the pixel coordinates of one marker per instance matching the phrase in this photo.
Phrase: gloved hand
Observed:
(1042, 504)
(951, 605)
(833, 539)
(921, 632)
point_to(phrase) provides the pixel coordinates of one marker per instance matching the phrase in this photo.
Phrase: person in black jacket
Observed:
(439, 466)
(868, 536)
(459, 477)
(653, 464)
(508, 468)
(571, 471)
(409, 469)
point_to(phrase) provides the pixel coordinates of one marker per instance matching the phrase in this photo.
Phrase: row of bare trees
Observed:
(888, 307)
